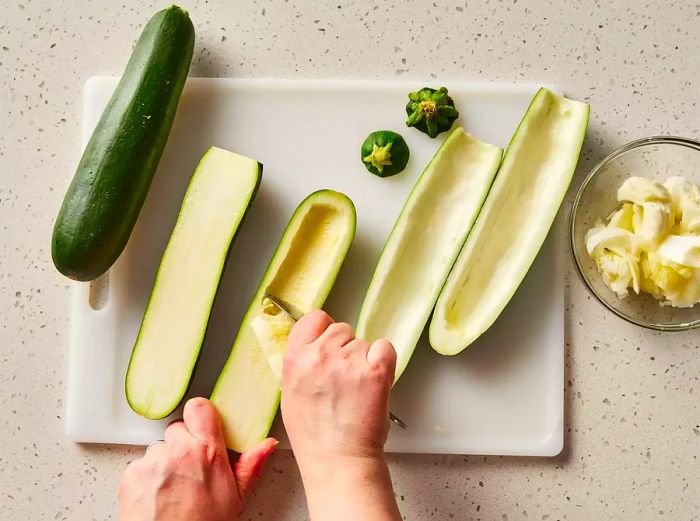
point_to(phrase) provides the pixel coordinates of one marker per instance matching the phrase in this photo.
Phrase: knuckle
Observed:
(385, 354)
(381, 373)
(315, 317)
(173, 426)
(135, 473)
(340, 371)
(343, 329)
(341, 326)
(387, 348)
(206, 453)
(299, 366)
(318, 359)
(360, 344)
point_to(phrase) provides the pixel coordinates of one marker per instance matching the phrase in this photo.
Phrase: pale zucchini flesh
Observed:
(301, 272)
(425, 242)
(529, 188)
(174, 323)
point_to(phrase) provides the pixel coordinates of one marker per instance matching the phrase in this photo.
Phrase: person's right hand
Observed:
(335, 390)
(335, 407)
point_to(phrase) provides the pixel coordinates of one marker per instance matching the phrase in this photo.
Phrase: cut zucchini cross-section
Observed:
(176, 317)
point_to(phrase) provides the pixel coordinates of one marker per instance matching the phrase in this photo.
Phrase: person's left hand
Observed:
(188, 477)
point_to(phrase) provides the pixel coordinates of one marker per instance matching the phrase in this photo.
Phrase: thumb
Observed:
(202, 421)
(249, 465)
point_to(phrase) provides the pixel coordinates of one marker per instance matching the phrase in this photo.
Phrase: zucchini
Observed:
(425, 242)
(171, 335)
(513, 223)
(384, 153)
(301, 272)
(114, 174)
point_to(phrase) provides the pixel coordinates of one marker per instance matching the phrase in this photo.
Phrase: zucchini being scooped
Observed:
(513, 223)
(171, 335)
(301, 272)
(425, 241)
(110, 184)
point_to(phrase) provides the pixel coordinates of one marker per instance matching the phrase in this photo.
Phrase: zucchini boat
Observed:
(513, 223)
(301, 272)
(110, 184)
(425, 242)
(171, 335)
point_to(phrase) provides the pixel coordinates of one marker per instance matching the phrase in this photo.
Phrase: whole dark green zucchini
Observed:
(115, 171)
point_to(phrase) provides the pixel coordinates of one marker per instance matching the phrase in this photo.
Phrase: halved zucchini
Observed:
(173, 327)
(513, 223)
(425, 241)
(301, 272)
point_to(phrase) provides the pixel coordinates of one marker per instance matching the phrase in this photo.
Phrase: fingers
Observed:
(156, 449)
(248, 467)
(202, 421)
(337, 335)
(309, 327)
(382, 354)
(175, 433)
(357, 347)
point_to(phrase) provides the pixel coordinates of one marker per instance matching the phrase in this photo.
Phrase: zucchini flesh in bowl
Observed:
(171, 335)
(302, 272)
(513, 223)
(425, 242)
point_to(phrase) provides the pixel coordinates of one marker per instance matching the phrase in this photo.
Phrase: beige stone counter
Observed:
(632, 396)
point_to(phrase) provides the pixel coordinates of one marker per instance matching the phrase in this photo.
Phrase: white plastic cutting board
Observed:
(504, 395)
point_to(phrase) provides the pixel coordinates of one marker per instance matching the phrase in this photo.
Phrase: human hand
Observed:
(335, 390)
(188, 477)
(335, 407)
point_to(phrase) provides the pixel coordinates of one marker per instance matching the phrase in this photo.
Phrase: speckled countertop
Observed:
(632, 396)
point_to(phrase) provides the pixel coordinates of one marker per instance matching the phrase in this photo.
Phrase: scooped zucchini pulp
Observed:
(173, 327)
(301, 272)
(513, 223)
(425, 241)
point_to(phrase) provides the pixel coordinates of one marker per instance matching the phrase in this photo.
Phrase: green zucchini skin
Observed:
(115, 172)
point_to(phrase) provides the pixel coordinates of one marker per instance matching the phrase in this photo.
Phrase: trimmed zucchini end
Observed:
(384, 153)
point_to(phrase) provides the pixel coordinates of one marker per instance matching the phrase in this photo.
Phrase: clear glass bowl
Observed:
(658, 158)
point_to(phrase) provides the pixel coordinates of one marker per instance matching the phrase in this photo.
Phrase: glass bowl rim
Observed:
(653, 140)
